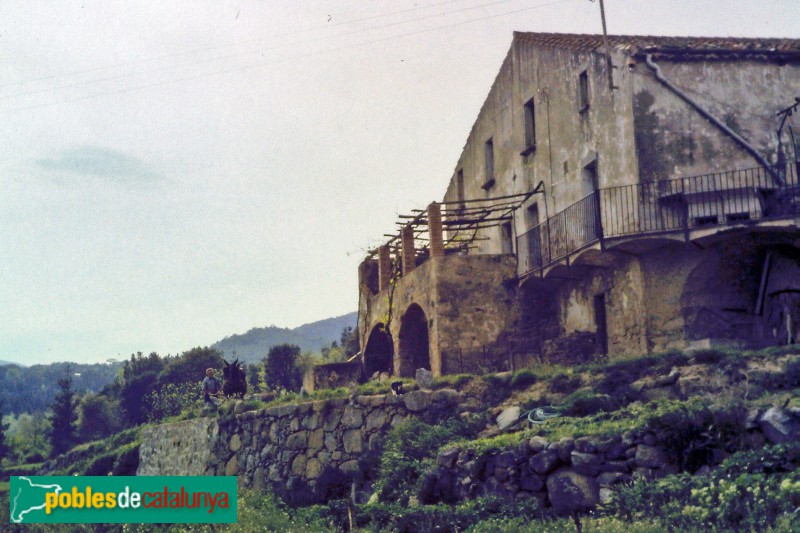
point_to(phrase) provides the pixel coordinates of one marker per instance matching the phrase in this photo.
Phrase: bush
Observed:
(585, 402)
(172, 399)
(565, 383)
(523, 379)
(409, 452)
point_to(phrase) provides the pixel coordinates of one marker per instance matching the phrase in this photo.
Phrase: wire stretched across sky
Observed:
(262, 51)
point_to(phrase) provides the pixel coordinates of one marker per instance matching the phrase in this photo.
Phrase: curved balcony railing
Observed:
(666, 206)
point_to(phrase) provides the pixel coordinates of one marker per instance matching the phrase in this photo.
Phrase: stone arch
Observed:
(379, 352)
(414, 345)
(719, 293)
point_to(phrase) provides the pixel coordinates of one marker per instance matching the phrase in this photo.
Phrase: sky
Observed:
(172, 173)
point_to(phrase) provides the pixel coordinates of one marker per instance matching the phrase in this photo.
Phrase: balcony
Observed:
(687, 207)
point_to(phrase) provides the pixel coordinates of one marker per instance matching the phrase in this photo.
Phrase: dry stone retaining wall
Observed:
(279, 445)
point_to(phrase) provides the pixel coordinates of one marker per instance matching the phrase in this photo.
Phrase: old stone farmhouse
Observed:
(615, 196)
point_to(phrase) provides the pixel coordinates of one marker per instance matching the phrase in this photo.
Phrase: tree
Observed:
(190, 366)
(98, 417)
(62, 419)
(349, 341)
(282, 367)
(4, 448)
(253, 379)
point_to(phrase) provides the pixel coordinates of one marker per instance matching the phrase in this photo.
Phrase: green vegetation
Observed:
(751, 490)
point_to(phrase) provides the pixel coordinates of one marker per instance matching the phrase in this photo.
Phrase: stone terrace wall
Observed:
(571, 474)
(179, 449)
(287, 443)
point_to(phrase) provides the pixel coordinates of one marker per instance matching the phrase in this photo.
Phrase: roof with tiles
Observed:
(673, 46)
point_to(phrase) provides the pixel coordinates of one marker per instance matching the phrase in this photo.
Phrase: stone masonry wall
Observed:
(571, 474)
(289, 442)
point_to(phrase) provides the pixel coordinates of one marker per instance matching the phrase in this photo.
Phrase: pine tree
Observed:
(4, 449)
(63, 417)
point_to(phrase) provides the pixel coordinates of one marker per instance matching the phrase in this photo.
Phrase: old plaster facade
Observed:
(593, 214)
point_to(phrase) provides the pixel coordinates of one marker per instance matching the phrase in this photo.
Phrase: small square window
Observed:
(583, 91)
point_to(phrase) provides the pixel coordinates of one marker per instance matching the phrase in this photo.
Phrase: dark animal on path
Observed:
(234, 384)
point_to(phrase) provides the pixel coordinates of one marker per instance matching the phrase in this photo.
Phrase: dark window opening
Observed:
(583, 91)
(738, 217)
(507, 238)
(489, 156)
(602, 323)
(706, 221)
(530, 128)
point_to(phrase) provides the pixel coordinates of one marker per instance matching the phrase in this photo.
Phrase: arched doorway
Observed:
(414, 346)
(379, 353)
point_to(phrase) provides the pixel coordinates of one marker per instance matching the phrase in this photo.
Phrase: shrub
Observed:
(709, 356)
(565, 383)
(523, 379)
(409, 451)
(585, 402)
(171, 399)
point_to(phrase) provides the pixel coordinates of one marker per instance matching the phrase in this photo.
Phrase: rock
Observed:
(605, 495)
(239, 407)
(544, 462)
(651, 457)
(376, 419)
(570, 492)
(299, 465)
(352, 417)
(235, 443)
(778, 426)
(448, 458)
(297, 441)
(424, 378)
(349, 467)
(316, 440)
(417, 401)
(563, 448)
(313, 469)
(353, 441)
(585, 463)
(538, 444)
(531, 483)
(508, 418)
(609, 479)
(232, 466)
(753, 415)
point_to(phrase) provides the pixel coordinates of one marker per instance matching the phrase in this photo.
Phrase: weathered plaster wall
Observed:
(567, 139)
(622, 284)
(673, 139)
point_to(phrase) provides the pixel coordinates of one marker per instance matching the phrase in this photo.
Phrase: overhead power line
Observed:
(262, 64)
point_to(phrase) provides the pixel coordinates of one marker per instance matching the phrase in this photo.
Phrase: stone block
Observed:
(376, 420)
(297, 441)
(232, 466)
(235, 443)
(570, 492)
(417, 401)
(651, 457)
(316, 440)
(353, 417)
(544, 462)
(353, 441)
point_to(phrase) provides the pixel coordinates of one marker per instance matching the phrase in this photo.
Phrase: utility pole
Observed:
(609, 66)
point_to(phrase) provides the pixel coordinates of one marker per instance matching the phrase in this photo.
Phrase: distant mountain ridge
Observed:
(254, 345)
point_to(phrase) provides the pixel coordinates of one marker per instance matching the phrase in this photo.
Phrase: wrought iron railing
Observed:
(666, 206)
